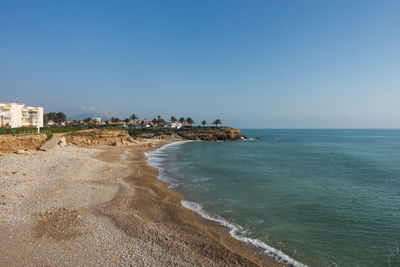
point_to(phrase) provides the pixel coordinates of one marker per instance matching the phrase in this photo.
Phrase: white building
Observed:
(174, 125)
(18, 115)
(97, 119)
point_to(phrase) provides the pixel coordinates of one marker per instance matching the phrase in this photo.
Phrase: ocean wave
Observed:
(236, 231)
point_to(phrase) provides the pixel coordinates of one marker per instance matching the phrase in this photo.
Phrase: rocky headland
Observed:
(190, 133)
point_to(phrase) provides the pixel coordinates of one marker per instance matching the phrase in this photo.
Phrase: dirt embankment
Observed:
(21, 143)
(100, 137)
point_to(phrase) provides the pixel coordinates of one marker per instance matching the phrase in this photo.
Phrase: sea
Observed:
(306, 197)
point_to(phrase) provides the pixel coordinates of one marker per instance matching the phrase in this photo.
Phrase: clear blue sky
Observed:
(260, 64)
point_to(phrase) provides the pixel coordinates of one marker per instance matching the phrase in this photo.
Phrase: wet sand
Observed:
(105, 206)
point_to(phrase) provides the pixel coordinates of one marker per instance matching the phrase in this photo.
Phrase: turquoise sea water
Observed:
(322, 197)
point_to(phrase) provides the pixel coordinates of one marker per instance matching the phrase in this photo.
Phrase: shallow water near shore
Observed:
(322, 197)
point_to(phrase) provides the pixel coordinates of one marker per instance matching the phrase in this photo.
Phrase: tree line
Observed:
(55, 117)
(59, 117)
(173, 119)
(160, 120)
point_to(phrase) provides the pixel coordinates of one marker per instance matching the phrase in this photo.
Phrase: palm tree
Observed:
(204, 123)
(182, 120)
(217, 121)
(189, 121)
(173, 119)
(127, 120)
(133, 117)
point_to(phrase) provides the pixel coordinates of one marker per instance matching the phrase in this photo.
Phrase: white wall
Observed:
(21, 115)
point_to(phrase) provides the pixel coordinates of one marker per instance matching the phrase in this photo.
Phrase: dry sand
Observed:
(104, 207)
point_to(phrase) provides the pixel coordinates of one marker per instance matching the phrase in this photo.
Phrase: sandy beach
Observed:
(99, 206)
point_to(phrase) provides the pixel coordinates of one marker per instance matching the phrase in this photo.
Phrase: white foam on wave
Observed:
(236, 232)
(156, 157)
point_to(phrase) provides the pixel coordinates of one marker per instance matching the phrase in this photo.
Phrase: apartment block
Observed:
(18, 115)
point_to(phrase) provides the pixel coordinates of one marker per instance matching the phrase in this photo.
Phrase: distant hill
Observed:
(86, 115)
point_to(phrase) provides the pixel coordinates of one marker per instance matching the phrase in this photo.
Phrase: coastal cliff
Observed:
(125, 137)
(190, 133)
(211, 134)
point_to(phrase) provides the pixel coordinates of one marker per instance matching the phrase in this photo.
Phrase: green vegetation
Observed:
(173, 119)
(189, 121)
(33, 130)
(21, 130)
(216, 122)
(182, 120)
(160, 119)
(65, 129)
(49, 136)
(87, 120)
(203, 122)
(55, 117)
(133, 117)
